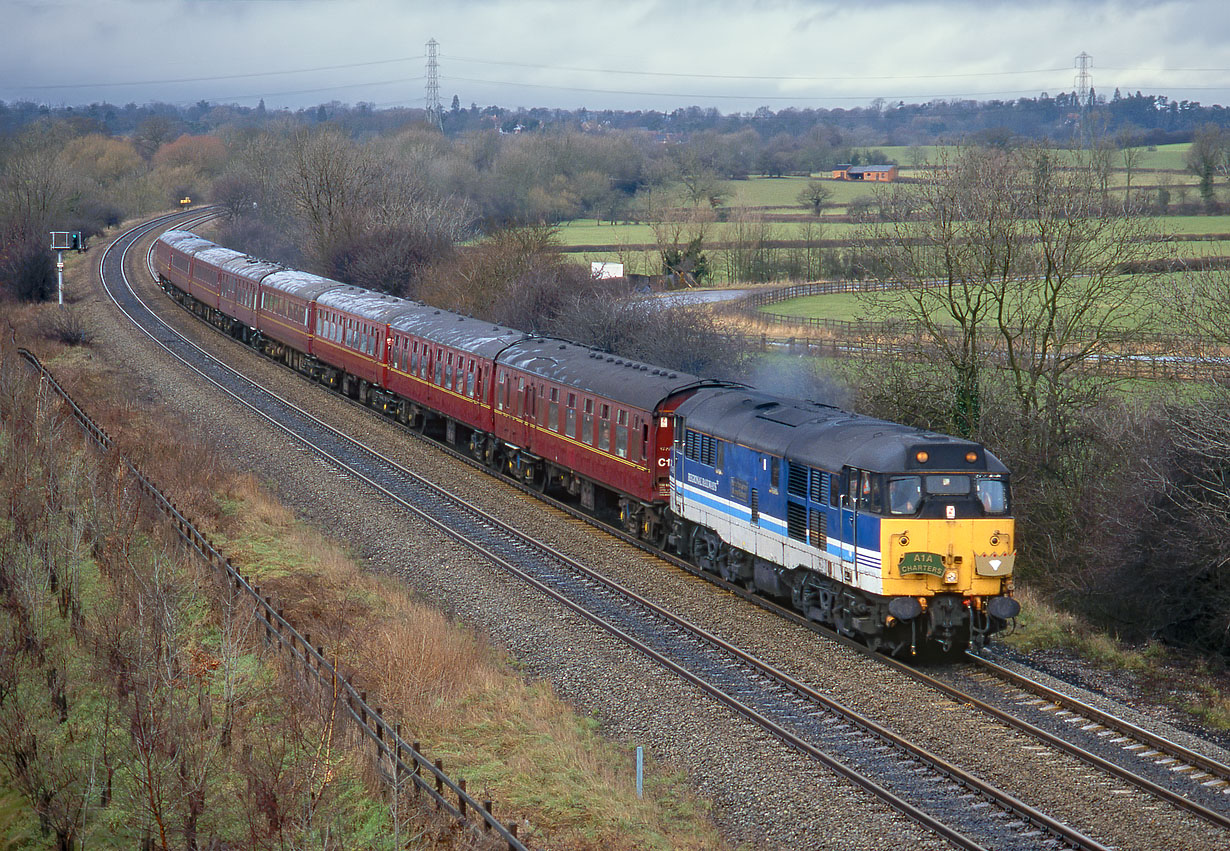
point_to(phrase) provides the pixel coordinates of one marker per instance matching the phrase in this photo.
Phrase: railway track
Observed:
(949, 801)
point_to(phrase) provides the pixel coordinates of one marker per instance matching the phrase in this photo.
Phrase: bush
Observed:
(27, 268)
(66, 325)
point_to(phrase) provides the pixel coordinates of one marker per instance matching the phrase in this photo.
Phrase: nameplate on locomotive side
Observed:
(930, 563)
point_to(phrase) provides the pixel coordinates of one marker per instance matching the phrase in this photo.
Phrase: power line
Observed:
(732, 96)
(401, 81)
(225, 76)
(750, 76)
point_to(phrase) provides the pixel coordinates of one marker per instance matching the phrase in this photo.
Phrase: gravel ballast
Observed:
(762, 793)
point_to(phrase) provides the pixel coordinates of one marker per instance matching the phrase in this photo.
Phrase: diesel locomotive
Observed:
(901, 537)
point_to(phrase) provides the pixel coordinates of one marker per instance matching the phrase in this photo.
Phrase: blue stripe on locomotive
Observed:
(704, 485)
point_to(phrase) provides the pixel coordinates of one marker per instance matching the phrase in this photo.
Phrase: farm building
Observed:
(882, 173)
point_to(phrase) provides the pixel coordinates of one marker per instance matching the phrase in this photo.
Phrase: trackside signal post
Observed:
(61, 241)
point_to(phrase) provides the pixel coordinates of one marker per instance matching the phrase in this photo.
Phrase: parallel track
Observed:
(759, 693)
(954, 804)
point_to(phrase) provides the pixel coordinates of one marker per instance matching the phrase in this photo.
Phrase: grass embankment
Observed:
(1187, 684)
(511, 738)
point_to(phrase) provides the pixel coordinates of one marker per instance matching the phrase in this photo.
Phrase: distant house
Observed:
(881, 173)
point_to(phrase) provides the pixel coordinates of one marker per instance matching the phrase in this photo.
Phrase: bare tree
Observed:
(1015, 265)
(1208, 157)
(815, 196)
(330, 182)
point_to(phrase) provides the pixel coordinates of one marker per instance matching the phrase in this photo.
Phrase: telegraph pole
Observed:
(435, 113)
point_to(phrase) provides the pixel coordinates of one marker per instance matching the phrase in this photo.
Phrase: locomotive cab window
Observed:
(992, 493)
(904, 494)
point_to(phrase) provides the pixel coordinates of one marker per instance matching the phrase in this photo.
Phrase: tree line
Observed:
(1010, 271)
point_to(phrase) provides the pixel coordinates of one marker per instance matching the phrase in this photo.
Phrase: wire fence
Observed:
(400, 764)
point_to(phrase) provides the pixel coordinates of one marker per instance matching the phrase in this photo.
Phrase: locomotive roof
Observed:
(636, 384)
(366, 304)
(826, 437)
(303, 285)
(456, 331)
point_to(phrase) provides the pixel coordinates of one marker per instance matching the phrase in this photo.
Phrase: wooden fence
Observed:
(1132, 354)
(400, 764)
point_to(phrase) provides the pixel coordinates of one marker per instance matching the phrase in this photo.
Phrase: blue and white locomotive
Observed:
(900, 536)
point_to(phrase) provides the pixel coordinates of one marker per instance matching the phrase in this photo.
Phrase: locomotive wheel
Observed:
(736, 566)
(706, 550)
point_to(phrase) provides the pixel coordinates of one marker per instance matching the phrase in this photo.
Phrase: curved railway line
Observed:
(963, 809)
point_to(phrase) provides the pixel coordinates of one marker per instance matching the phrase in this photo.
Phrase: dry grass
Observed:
(1161, 674)
(513, 740)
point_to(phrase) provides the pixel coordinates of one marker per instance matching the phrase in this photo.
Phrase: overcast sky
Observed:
(622, 54)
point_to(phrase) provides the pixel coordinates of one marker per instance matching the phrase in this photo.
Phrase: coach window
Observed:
(570, 416)
(644, 441)
(470, 380)
(587, 423)
(604, 429)
(553, 410)
(621, 433)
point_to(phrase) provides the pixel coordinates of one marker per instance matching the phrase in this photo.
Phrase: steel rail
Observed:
(357, 706)
(972, 783)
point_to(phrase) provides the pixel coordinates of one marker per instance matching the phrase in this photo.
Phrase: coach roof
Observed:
(639, 385)
(456, 331)
(373, 306)
(304, 285)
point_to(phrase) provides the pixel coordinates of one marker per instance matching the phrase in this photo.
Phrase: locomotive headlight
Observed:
(971, 457)
(904, 540)
(950, 577)
(922, 456)
(995, 540)
(999, 539)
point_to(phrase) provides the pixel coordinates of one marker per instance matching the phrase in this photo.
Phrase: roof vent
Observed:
(437, 313)
(562, 347)
(610, 359)
(672, 375)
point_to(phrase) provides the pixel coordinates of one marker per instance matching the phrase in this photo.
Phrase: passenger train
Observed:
(901, 537)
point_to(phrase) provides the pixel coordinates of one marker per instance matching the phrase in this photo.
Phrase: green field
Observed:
(590, 232)
(782, 192)
(851, 307)
(777, 196)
